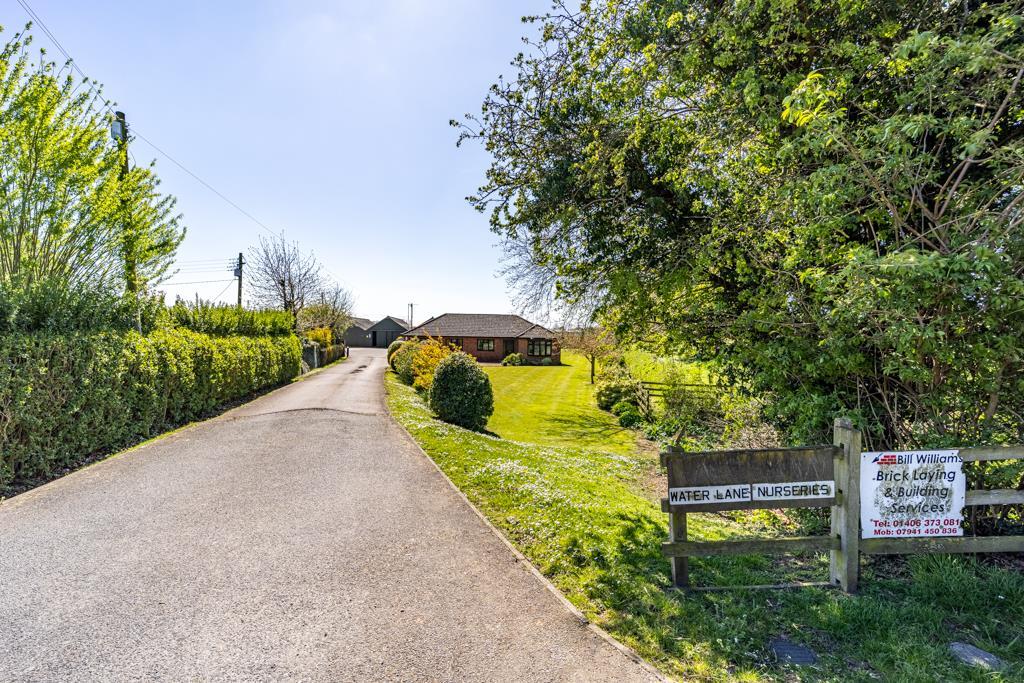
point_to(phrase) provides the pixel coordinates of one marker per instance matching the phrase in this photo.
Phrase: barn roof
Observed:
(398, 321)
(361, 323)
(480, 325)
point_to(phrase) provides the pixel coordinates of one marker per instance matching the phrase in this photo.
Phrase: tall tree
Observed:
(824, 199)
(66, 214)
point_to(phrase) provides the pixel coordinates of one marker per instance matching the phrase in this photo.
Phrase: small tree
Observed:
(283, 277)
(594, 343)
(331, 307)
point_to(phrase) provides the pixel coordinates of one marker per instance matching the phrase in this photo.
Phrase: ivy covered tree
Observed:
(69, 221)
(823, 199)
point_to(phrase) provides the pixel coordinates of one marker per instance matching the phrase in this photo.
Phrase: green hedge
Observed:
(64, 397)
(227, 320)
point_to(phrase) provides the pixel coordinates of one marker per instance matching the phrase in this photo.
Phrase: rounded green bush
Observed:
(513, 359)
(546, 361)
(623, 407)
(401, 361)
(392, 347)
(631, 418)
(461, 392)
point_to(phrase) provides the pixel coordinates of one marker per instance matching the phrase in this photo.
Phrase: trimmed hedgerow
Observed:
(64, 397)
(227, 320)
(461, 392)
(392, 347)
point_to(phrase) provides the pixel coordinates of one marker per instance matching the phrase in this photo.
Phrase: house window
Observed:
(454, 341)
(539, 347)
(484, 344)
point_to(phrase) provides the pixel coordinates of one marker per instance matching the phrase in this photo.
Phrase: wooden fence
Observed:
(818, 476)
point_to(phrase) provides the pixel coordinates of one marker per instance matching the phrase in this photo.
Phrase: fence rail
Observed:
(818, 476)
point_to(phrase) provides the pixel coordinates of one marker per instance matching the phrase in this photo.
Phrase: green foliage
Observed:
(622, 407)
(631, 418)
(513, 359)
(776, 188)
(461, 392)
(425, 361)
(227, 320)
(320, 335)
(402, 359)
(69, 219)
(38, 307)
(392, 348)
(66, 396)
(546, 361)
(610, 391)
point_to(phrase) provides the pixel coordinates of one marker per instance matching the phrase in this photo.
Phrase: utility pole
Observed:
(119, 132)
(410, 316)
(238, 274)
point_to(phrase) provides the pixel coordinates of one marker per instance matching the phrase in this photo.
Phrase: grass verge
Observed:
(580, 516)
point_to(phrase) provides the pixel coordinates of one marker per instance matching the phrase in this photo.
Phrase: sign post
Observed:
(844, 561)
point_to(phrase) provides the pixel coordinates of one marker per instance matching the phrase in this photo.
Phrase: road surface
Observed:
(301, 536)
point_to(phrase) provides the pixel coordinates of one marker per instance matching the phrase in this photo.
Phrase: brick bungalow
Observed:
(489, 337)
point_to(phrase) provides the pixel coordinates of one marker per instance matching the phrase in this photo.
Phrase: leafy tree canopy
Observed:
(822, 198)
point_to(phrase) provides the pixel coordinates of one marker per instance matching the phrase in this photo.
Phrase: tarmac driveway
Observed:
(302, 536)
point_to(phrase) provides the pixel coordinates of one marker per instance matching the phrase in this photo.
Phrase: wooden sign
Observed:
(750, 479)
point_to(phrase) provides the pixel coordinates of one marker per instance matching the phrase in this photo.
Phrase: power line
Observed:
(196, 282)
(74, 65)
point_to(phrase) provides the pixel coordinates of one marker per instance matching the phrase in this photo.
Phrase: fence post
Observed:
(680, 566)
(844, 563)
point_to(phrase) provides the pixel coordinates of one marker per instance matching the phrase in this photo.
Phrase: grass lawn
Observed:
(579, 513)
(554, 406)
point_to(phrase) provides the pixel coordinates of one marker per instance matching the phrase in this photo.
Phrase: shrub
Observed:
(320, 335)
(631, 418)
(622, 407)
(401, 362)
(66, 396)
(461, 393)
(227, 320)
(546, 361)
(513, 359)
(425, 361)
(612, 390)
(392, 347)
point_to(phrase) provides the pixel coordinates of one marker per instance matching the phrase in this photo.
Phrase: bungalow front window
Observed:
(538, 347)
(484, 344)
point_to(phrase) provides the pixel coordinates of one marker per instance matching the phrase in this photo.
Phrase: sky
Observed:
(327, 120)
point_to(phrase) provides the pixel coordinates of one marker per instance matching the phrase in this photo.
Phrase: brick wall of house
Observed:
(469, 345)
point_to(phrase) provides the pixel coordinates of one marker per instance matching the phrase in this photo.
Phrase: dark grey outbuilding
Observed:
(356, 334)
(385, 331)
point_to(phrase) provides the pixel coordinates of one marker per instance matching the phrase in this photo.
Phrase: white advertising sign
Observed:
(911, 493)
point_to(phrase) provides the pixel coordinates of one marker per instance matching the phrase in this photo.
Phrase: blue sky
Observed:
(326, 119)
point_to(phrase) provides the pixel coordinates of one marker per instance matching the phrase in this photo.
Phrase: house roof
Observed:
(480, 325)
(398, 321)
(361, 323)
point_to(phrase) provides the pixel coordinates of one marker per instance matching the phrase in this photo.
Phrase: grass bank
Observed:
(580, 514)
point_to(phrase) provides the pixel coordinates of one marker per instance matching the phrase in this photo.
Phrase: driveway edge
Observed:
(597, 630)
